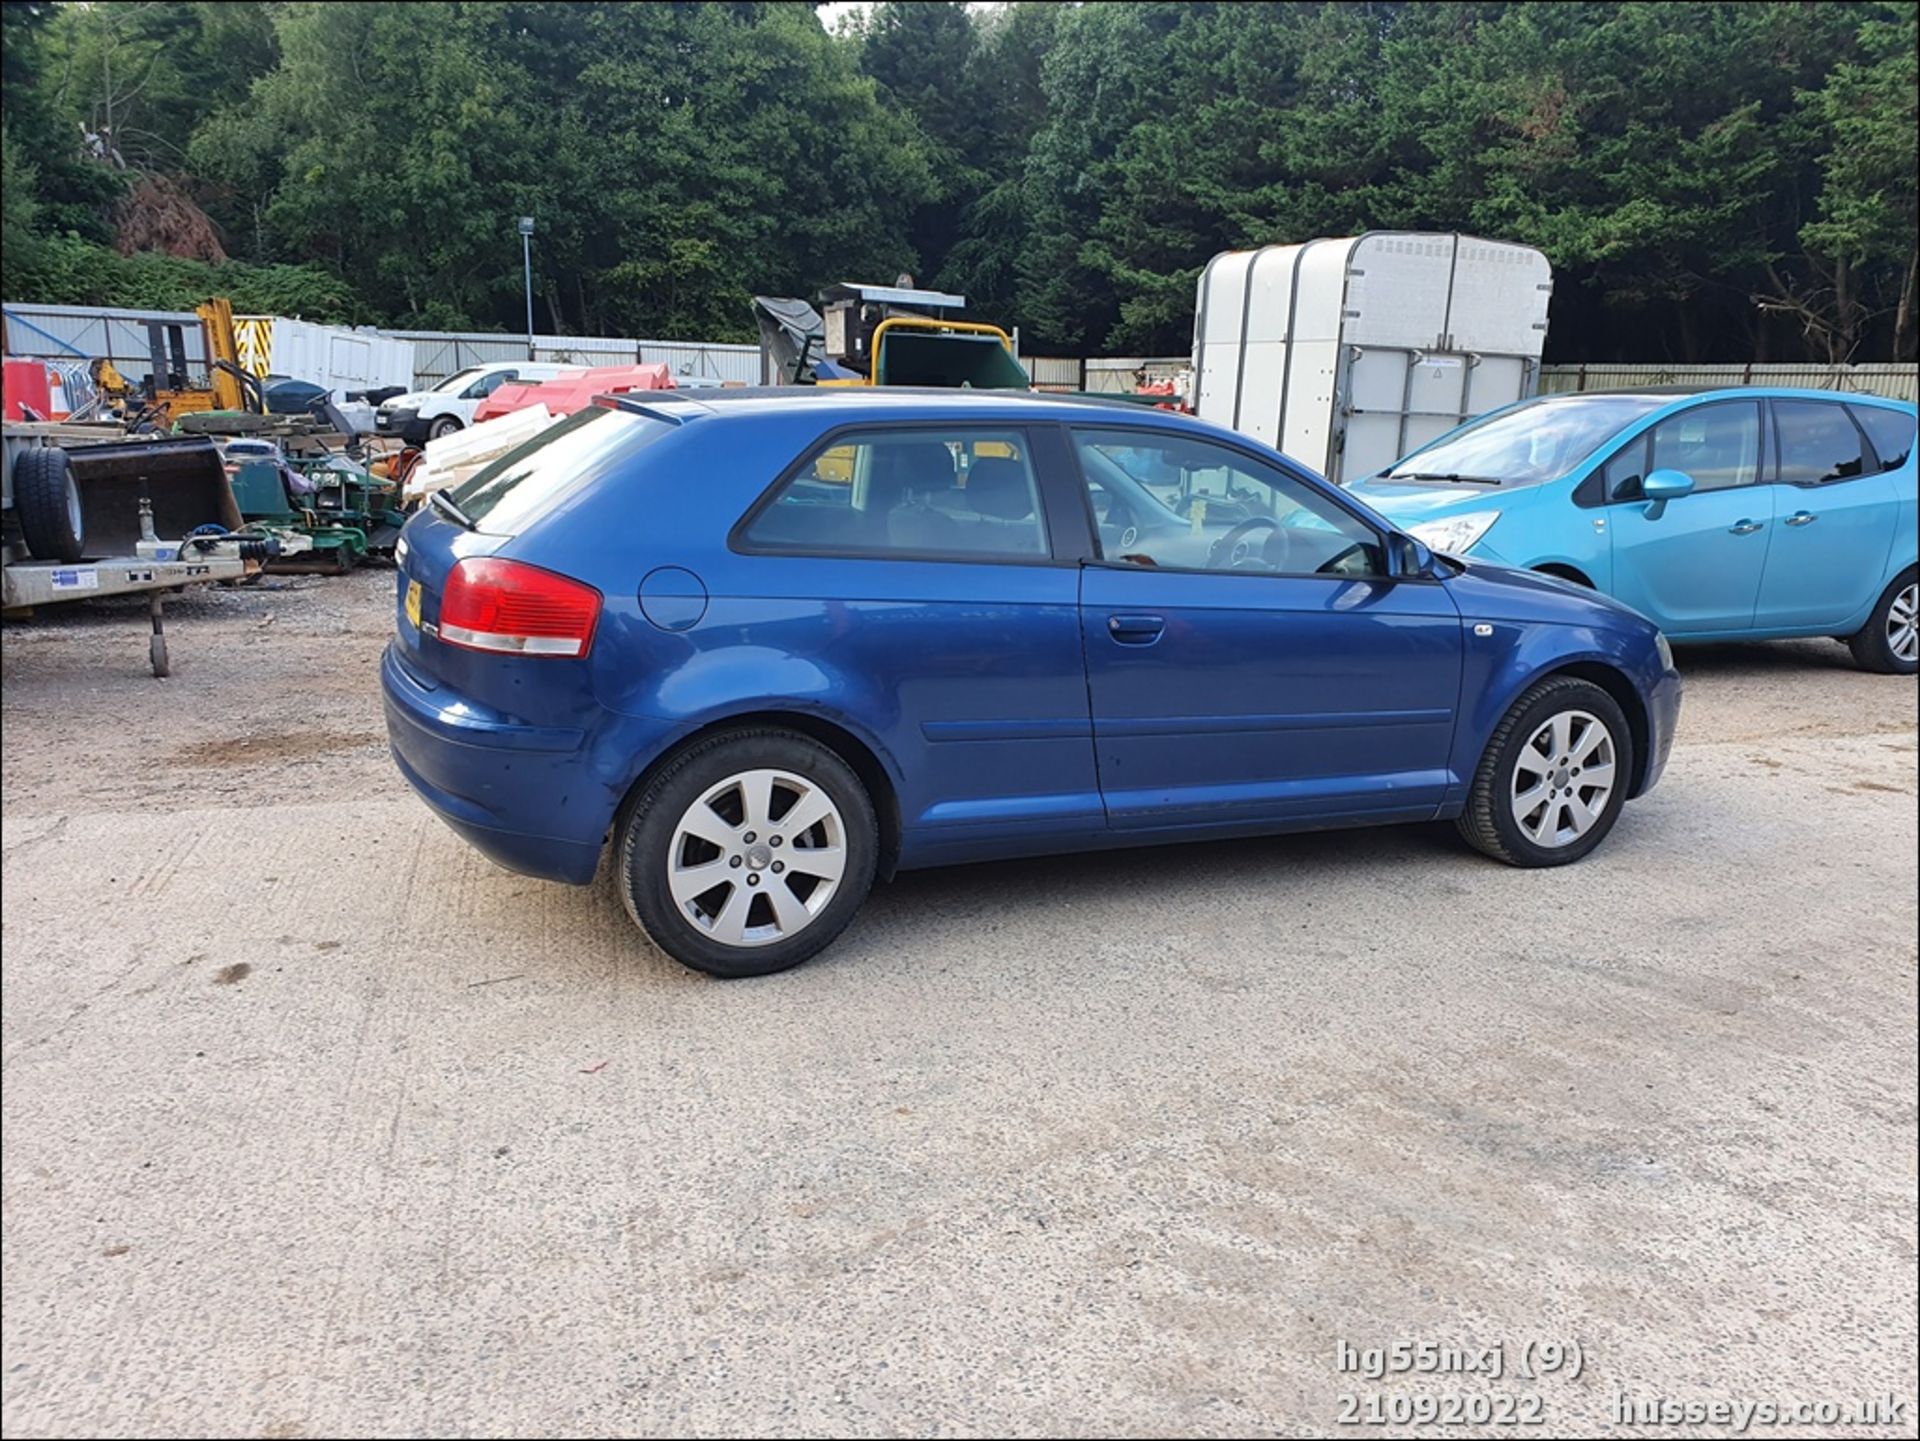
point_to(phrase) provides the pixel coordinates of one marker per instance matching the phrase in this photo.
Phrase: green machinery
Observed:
(348, 513)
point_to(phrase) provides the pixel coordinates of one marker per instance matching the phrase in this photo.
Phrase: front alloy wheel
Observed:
(1553, 777)
(1563, 778)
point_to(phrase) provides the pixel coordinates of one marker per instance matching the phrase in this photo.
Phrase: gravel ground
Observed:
(316, 1123)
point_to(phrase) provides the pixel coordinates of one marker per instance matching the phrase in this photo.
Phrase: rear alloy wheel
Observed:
(1553, 778)
(1890, 641)
(748, 853)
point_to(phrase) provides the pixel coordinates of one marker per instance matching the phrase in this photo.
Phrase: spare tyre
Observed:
(48, 504)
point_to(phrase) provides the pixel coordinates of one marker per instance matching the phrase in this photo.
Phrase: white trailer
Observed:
(342, 360)
(1348, 353)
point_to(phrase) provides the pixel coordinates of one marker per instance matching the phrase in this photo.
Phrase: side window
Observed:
(1623, 474)
(1818, 443)
(1179, 503)
(1718, 445)
(963, 493)
(1891, 432)
(487, 384)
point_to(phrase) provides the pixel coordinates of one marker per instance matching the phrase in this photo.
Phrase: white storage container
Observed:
(1346, 354)
(343, 360)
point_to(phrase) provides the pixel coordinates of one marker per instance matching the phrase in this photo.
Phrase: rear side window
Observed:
(1819, 443)
(1891, 432)
(531, 479)
(1718, 445)
(962, 492)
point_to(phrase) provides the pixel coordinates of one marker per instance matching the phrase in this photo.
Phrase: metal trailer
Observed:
(144, 562)
(1348, 353)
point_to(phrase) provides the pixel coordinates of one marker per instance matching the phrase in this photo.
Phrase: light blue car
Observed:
(1752, 514)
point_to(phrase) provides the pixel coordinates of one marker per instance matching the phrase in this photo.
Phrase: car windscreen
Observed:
(529, 480)
(458, 381)
(1541, 440)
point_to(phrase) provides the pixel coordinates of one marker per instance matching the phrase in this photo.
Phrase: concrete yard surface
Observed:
(317, 1123)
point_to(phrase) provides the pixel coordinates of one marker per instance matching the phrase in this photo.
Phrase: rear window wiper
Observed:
(454, 513)
(1451, 475)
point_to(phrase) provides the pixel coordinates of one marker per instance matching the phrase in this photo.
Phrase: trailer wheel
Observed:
(48, 504)
(157, 653)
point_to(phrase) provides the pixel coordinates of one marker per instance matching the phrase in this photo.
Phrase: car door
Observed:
(1693, 565)
(912, 563)
(470, 398)
(1248, 658)
(1834, 504)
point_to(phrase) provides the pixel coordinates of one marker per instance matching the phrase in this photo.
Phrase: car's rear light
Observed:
(506, 606)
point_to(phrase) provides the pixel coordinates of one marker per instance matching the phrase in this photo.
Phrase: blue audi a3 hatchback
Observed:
(773, 645)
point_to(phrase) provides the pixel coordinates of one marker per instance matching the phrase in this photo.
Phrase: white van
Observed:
(424, 415)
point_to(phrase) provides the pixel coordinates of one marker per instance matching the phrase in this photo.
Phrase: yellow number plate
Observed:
(413, 603)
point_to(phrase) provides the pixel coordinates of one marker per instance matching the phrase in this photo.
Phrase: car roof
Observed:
(1669, 393)
(893, 402)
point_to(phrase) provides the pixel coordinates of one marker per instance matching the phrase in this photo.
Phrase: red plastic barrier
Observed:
(568, 393)
(25, 383)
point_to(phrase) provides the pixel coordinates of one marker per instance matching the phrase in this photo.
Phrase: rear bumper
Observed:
(1663, 718)
(524, 796)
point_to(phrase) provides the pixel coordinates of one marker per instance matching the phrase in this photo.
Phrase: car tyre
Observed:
(1537, 797)
(48, 504)
(737, 810)
(1889, 642)
(443, 425)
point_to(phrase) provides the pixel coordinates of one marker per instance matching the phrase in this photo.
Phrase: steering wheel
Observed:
(1232, 550)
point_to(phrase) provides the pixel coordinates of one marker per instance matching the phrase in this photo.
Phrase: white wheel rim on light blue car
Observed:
(1903, 624)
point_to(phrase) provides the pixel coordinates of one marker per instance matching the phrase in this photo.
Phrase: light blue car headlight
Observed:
(1456, 534)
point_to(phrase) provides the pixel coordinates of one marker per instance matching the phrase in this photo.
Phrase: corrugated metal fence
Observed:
(84, 332)
(77, 333)
(439, 353)
(1896, 382)
(1107, 375)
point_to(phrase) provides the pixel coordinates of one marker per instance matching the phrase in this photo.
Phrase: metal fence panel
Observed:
(84, 332)
(439, 353)
(1896, 382)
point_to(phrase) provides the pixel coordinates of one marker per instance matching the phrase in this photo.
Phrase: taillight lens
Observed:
(516, 609)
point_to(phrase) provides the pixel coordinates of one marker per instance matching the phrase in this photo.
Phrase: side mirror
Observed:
(1661, 486)
(1407, 558)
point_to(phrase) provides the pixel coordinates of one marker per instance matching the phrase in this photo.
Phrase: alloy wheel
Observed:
(757, 858)
(1563, 778)
(1903, 624)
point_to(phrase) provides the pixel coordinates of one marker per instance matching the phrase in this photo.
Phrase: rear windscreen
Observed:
(532, 478)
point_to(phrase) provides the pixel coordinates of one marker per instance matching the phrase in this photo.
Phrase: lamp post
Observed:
(526, 255)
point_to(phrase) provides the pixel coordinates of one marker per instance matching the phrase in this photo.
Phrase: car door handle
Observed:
(1802, 517)
(1746, 527)
(1136, 629)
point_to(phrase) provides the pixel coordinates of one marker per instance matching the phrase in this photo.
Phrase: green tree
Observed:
(1861, 253)
(923, 55)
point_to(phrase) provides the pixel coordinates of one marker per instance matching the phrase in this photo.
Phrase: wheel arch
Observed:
(858, 752)
(1563, 571)
(1617, 684)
